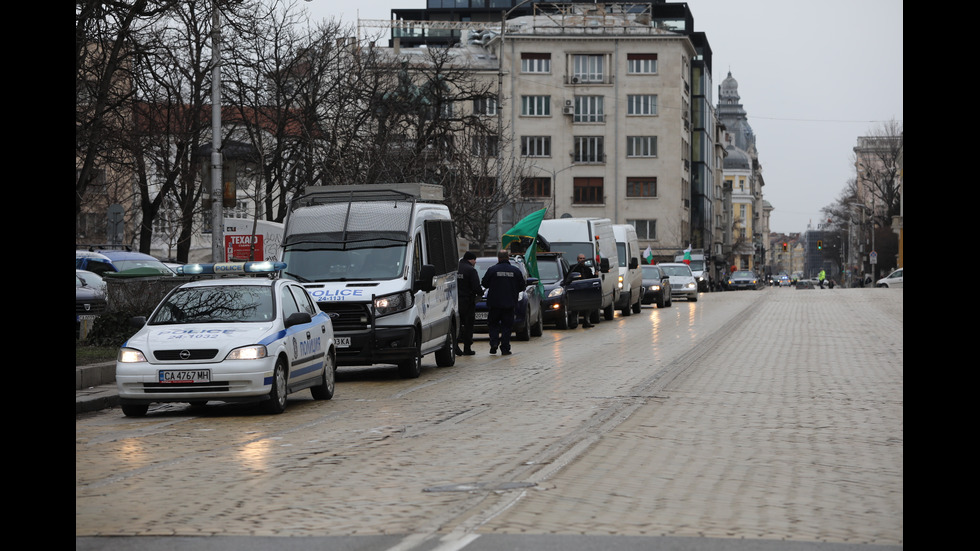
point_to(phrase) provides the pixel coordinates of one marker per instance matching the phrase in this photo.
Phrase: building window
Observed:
(536, 187)
(641, 64)
(485, 106)
(485, 146)
(645, 229)
(588, 191)
(588, 68)
(588, 109)
(535, 63)
(536, 106)
(641, 186)
(641, 104)
(641, 146)
(536, 146)
(484, 187)
(588, 149)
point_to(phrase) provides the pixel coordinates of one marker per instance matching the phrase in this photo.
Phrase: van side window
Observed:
(441, 245)
(417, 258)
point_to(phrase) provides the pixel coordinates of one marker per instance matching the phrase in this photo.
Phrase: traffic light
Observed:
(785, 246)
(819, 244)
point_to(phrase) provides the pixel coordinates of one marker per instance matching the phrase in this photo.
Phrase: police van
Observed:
(381, 261)
(630, 276)
(594, 238)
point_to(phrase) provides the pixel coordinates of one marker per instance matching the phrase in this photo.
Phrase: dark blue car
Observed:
(529, 307)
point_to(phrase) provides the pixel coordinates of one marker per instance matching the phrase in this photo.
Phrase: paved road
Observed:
(749, 420)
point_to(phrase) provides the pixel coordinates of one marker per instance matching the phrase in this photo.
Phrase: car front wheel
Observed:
(277, 394)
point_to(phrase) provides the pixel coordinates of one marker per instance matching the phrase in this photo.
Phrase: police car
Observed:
(238, 339)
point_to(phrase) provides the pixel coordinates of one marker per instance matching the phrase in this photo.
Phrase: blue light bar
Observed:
(253, 267)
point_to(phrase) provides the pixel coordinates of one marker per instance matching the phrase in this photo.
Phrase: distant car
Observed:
(90, 300)
(564, 295)
(656, 286)
(682, 282)
(528, 317)
(241, 339)
(784, 281)
(110, 260)
(744, 279)
(892, 280)
(91, 279)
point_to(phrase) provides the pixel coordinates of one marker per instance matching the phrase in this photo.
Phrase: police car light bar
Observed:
(253, 267)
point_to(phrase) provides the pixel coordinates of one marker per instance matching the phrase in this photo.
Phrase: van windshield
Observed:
(572, 249)
(365, 261)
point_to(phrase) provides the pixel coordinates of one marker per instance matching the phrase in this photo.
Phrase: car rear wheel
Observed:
(277, 394)
(327, 385)
(609, 312)
(660, 301)
(638, 306)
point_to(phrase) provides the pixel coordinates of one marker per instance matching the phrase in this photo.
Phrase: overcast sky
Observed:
(812, 76)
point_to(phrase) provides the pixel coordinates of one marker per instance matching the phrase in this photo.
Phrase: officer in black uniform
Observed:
(504, 283)
(468, 290)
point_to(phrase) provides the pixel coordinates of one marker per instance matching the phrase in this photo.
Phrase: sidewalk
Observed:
(95, 387)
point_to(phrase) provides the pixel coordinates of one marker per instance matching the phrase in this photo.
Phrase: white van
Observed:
(594, 238)
(381, 261)
(630, 274)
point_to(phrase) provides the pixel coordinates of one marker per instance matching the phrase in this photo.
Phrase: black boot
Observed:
(468, 350)
(458, 351)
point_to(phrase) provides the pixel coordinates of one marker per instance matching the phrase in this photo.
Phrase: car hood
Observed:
(223, 337)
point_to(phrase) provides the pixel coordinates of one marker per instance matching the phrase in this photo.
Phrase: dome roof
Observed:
(729, 86)
(737, 159)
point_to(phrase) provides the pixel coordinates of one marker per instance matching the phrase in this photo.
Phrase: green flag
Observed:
(526, 231)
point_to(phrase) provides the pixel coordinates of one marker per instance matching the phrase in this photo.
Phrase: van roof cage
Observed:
(318, 195)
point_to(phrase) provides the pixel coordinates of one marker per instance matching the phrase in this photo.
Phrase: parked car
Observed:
(656, 286)
(91, 279)
(90, 300)
(105, 261)
(744, 279)
(682, 282)
(892, 280)
(528, 317)
(239, 339)
(565, 293)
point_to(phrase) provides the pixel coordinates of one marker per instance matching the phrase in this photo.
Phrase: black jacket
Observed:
(468, 283)
(504, 283)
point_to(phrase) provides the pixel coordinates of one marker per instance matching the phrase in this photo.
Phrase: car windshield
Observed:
(372, 261)
(651, 272)
(571, 251)
(680, 270)
(216, 304)
(548, 270)
(123, 265)
(743, 274)
(483, 264)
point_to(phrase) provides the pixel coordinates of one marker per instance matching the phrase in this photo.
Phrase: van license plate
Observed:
(186, 376)
(341, 342)
(482, 315)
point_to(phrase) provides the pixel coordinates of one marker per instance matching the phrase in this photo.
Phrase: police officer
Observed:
(504, 283)
(469, 291)
(584, 269)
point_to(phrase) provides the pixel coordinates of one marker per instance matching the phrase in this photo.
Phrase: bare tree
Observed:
(876, 160)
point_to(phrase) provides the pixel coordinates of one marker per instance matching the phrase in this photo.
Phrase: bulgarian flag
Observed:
(648, 255)
(687, 255)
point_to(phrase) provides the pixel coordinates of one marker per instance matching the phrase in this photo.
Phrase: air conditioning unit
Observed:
(568, 110)
(574, 80)
(568, 103)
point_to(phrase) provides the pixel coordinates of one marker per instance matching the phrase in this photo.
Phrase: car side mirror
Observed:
(634, 263)
(426, 276)
(604, 265)
(532, 281)
(137, 321)
(298, 318)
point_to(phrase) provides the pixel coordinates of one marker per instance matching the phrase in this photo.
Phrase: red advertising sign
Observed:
(239, 247)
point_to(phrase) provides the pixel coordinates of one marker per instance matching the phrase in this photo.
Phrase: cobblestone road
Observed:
(774, 415)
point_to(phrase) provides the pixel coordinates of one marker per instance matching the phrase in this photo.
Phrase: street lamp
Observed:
(217, 192)
(554, 186)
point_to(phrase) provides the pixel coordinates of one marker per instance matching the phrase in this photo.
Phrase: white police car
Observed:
(241, 339)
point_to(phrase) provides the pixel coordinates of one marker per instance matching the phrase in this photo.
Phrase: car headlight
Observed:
(620, 282)
(391, 304)
(130, 355)
(254, 352)
(556, 292)
(692, 285)
(654, 287)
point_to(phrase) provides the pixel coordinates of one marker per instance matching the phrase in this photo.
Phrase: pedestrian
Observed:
(586, 271)
(821, 277)
(504, 283)
(468, 290)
